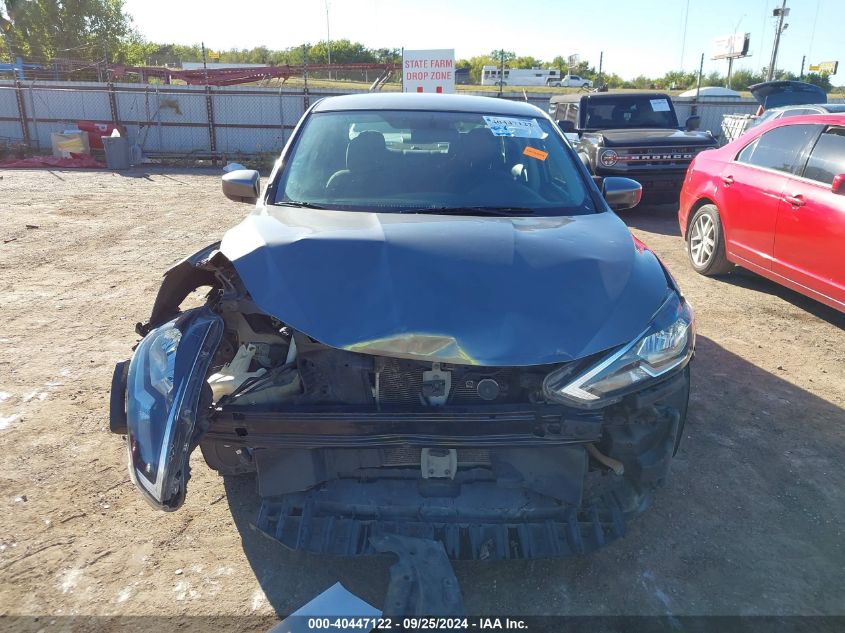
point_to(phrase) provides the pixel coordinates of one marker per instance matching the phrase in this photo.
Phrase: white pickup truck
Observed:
(571, 81)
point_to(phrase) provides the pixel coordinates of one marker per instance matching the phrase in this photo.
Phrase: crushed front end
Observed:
(495, 462)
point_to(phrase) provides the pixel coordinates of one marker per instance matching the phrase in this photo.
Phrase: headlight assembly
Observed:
(664, 347)
(150, 397)
(163, 387)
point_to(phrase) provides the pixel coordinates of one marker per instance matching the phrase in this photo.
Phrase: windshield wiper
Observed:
(482, 210)
(300, 205)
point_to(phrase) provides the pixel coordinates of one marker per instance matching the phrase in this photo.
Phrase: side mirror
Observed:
(567, 127)
(621, 193)
(838, 185)
(693, 123)
(242, 185)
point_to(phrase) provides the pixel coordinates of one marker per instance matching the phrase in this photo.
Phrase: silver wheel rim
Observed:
(702, 243)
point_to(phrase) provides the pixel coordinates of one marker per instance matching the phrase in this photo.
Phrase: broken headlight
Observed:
(166, 378)
(150, 398)
(665, 347)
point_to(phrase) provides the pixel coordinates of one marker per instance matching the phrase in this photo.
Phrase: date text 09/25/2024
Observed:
(415, 624)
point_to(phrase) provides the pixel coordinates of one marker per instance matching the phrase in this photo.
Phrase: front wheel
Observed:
(586, 86)
(706, 243)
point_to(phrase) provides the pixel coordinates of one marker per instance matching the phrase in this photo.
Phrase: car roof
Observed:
(816, 119)
(813, 119)
(428, 102)
(830, 107)
(571, 98)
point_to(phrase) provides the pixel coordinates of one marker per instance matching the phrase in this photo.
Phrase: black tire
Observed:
(706, 243)
(225, 459)
(585, 85)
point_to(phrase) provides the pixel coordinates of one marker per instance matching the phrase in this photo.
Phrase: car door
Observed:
(810, 234)
(751, 187)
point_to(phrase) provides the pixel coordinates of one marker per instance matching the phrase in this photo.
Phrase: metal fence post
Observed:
(112, 103)
(22, 112)
(212, 134)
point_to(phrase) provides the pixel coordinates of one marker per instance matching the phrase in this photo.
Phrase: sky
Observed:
(637, 36)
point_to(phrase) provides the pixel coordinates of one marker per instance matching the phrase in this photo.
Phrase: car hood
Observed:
(470, 290)
(651, 136)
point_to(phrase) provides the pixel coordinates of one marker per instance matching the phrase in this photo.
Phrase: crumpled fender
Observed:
(179, 281)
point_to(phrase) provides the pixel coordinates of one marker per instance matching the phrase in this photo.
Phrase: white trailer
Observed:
(492, 76)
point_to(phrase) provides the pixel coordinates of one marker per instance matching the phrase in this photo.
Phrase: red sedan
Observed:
(773, 201)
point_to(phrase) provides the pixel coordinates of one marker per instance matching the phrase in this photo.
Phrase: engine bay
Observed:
(264, 363)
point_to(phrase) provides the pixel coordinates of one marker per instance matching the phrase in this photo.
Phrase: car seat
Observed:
(366, 157)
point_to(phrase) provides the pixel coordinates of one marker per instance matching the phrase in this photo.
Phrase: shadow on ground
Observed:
(748, 523)
(661, 219)
(748, 280)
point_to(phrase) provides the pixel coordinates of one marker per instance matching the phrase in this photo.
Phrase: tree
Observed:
(500, 55)
(822, 80)
(525, 62)
(743, 77)
(82, 29)
(583, 69)
(713, 79)
(676, 80)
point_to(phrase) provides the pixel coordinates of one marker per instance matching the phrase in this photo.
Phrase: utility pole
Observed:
(598, 79)
(328, 38)
(780, 14)
(803, 59)
(502, 75)
(700, 72)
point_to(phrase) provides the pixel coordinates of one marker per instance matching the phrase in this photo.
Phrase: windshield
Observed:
(628, 112)
(433, 162)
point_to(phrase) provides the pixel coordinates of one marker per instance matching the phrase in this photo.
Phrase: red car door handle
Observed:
(796, 200)
(728, 180)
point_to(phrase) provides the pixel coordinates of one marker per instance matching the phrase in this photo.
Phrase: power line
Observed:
(813, 32)
(684, 38)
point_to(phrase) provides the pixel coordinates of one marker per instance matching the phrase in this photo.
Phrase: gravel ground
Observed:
(750, 521)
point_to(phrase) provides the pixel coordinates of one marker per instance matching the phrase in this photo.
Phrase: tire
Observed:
(586, 86)
(706, 243)
(225, 459)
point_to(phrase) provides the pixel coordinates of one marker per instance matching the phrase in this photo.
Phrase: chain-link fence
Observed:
(195, 121)
(215, 122)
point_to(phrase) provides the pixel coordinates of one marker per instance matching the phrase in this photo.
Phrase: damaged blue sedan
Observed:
(433, 325)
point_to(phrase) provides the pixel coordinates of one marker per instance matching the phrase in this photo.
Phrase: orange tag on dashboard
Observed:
(533, 152)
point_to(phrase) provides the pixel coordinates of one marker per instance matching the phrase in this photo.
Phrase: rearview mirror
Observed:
(567, 127)
(693, 123)
(838, 185)
(242, 185)
(621, 193)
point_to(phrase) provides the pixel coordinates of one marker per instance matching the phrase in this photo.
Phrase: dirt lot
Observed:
(750, 521)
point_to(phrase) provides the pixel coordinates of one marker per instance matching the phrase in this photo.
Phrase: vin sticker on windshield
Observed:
(519, 128)
(533, 152)
(660, 105)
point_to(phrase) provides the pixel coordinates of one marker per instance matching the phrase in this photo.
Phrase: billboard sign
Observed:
(828, 68)
(428, 71)
(731, 46)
